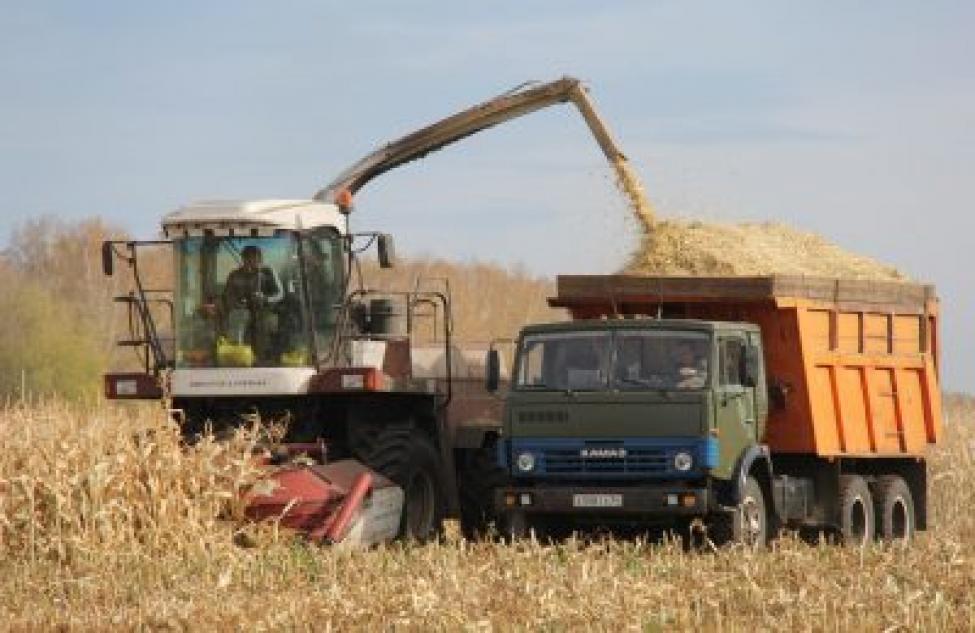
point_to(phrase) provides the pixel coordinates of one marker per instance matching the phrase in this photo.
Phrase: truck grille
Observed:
(610, 458)
(564, 461)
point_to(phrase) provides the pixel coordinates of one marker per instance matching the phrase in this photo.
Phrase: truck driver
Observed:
(690, 367)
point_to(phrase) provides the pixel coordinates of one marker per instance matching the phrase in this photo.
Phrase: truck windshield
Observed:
(625, 360)
(240, 303)
(661, 359)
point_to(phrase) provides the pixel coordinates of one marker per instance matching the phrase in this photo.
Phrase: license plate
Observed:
(597, 501)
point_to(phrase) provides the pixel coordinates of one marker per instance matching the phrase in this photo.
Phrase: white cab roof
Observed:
(261, 216)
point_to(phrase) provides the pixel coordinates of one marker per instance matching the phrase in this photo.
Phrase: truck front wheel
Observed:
(748, 523)
(857, 519)
(751, 520)
(894, 509)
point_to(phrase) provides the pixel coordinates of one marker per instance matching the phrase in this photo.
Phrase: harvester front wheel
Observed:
(411, 461)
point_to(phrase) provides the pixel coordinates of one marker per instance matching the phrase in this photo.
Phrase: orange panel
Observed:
(874, 359)
(885, 429)
(816, 325)
(911, 407)
(866, 395)
(853, 413)
(848, 332)
(875, 332)
(907, 334)
(825, 425)
(932, 401)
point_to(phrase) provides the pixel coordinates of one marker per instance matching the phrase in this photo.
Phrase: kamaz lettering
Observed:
(603, 453)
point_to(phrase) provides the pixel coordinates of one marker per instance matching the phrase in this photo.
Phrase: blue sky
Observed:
(853, 120)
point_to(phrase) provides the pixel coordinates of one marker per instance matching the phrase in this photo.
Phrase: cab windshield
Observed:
(240, 300)
(626, 360)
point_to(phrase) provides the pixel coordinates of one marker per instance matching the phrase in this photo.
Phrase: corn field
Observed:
(107, 522)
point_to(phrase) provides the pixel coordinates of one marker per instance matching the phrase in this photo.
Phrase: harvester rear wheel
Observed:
(857, 520)
(894, 509)
(410, 460)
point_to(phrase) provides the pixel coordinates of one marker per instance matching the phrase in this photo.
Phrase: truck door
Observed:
(734, 403)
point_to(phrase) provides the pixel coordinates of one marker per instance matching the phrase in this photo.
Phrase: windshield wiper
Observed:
(635, 381)
(647, 384)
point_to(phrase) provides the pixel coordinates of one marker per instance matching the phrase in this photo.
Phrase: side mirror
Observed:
(108, 259)
(751, 361)
(492, 373)
(387, 250)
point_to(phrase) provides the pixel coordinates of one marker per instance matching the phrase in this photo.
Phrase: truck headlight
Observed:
(683, 461)
(525, 462)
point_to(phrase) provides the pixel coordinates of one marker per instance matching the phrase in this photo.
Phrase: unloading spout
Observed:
(523, 100)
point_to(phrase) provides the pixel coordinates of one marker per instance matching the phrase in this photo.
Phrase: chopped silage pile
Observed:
(694, 248)
(682, 247)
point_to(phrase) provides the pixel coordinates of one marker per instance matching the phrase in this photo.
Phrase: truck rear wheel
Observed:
(857, 519)
(411, 461)
(894, 509)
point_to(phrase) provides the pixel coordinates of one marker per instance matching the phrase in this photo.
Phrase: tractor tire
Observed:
(748, 524)
(857, 521)
(410, 460)
(894, 510)
(479, 477)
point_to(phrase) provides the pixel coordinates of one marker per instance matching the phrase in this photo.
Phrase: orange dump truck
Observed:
(774, 400)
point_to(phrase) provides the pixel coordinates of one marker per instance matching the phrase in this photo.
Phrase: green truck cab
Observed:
(632, 420)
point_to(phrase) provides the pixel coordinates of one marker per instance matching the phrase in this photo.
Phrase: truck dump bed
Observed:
(852, 365)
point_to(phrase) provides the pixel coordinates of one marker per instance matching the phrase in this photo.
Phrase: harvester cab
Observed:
(258, 285)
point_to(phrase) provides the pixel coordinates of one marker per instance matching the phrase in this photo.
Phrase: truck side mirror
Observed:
(108, 259)
(750, 362)
(492, 373)
(387, 250)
